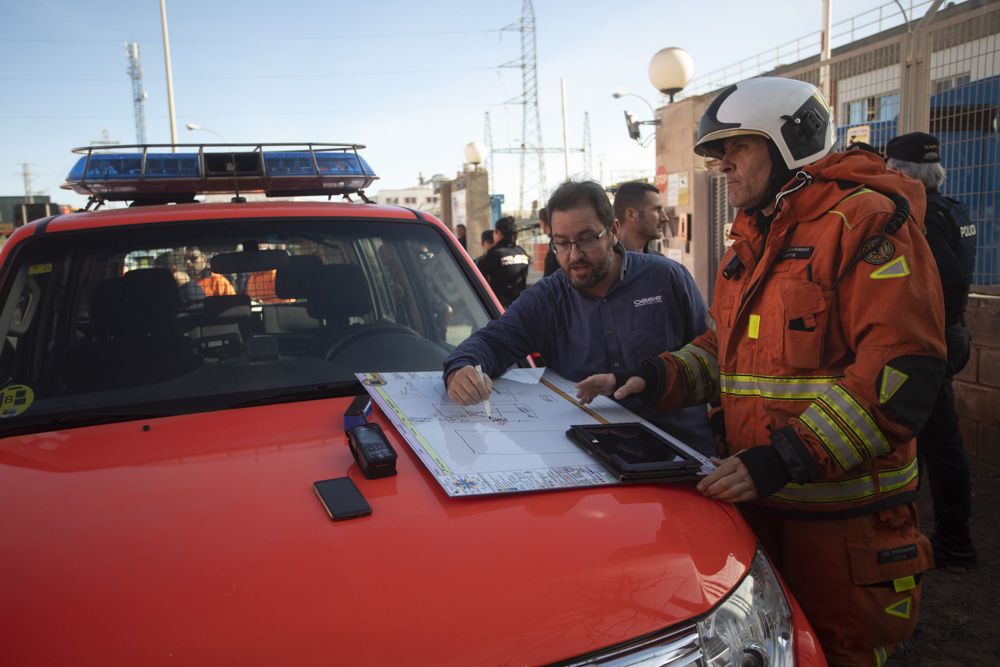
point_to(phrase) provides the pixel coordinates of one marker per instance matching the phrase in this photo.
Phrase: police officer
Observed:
(505, 265)
(952, 237)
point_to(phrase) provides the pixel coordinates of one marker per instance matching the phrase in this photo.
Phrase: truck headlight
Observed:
(753, 626)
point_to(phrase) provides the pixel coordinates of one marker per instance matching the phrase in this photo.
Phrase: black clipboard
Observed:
(632, 452)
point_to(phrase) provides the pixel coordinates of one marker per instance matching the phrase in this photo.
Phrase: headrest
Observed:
(340, 291)
(141, 303)
(249, 261)
(226, 307)
(293, 279)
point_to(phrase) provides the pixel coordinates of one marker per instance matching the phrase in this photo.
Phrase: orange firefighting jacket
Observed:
(828, 343)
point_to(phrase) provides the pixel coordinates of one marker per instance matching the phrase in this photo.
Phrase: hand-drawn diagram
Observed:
(521, 446)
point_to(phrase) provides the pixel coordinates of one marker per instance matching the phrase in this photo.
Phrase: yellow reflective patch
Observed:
(892, 380)
(881, 656)
(904, 584)
(36, 269)
(901, 609)
(897, 268)
(753, 331)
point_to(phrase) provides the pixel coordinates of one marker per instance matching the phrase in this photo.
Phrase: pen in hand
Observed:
(486, 402)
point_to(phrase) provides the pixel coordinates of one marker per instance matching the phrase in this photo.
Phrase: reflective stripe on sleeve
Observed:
(858, 488)
(858, 419)
(832, 436)
(779, 388)
(701, 370)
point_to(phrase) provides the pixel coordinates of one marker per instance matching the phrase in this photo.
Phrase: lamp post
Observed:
(620, 95)
(196, 126)
(170, 76)
(670, 70)
(631, 123)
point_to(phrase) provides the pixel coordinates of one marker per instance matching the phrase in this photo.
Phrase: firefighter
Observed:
(824, 364)
(505, 265)
(952, 238)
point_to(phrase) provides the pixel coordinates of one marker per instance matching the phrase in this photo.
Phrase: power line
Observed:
(338, 37)
(257, 77)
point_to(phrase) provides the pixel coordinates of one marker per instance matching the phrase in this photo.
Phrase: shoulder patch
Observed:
(878, 250)
(892, 380)
(897, 268)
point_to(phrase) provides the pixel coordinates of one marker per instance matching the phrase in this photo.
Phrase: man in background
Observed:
(640, 213)
(551, 262)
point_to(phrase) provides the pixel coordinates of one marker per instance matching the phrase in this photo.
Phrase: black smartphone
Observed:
(341, 498)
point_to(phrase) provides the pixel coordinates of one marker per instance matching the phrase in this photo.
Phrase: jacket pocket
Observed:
(885, 570)
(807, 313)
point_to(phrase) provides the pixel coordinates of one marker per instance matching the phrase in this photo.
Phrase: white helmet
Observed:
(791, 113)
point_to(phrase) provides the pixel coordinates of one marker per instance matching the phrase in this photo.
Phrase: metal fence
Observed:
(940, 75)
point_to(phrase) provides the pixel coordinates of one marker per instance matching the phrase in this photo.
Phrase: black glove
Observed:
(653, 372)
(767, 470)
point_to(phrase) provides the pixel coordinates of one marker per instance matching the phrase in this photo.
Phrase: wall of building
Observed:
(466, 200)
(681, 177)
(977, 387)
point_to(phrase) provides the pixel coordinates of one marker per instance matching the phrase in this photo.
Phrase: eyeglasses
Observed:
(584, 245)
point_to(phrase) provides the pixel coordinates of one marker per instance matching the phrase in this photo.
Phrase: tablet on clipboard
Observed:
(632, 452)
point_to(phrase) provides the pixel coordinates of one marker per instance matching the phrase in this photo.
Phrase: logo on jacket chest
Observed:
(648, 301)
(514, 260)
(878, 250)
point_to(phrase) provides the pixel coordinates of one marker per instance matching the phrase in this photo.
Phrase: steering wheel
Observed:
(355, 333)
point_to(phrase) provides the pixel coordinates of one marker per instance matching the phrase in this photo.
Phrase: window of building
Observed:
(874, 108)
(950, 82)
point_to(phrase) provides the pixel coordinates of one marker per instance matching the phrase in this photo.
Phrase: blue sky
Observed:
(411, 80)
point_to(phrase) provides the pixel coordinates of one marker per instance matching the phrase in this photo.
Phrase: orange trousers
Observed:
(856, 579)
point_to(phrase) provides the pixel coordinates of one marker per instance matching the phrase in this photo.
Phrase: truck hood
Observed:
(198, 539)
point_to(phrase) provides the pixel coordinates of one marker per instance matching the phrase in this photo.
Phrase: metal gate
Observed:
(722, 216)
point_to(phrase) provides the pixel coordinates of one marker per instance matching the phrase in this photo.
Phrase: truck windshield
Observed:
(187, 317)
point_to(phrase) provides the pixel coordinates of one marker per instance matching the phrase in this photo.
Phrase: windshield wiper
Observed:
(333, 390)
(63, 421)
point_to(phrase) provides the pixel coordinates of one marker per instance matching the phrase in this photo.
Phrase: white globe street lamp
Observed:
(670, 70)
(475, 153)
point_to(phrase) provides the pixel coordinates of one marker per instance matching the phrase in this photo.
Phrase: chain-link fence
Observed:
(940, 76)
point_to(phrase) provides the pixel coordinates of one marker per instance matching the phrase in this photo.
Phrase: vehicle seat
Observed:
(292, 282)
(338, 293)
(134, 319)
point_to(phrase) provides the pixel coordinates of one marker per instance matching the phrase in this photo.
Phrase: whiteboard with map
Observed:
(520, 446)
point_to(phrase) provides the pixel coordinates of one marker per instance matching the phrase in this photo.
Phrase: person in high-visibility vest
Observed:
(826, 351)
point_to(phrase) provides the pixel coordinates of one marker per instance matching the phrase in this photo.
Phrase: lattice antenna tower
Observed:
(587, 167)
(139, 95)
(531, 124)
(488, 137)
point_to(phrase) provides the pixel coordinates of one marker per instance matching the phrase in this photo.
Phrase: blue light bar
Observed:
(109, 173)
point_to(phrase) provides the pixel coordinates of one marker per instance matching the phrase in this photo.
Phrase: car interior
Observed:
(227, 309)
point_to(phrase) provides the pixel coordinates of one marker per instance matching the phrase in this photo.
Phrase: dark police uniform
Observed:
(952, 239)
(505, 267)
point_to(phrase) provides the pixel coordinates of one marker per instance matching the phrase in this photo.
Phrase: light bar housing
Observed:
(162, 173)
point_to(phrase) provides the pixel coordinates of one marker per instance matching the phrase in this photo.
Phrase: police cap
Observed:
(918, 147)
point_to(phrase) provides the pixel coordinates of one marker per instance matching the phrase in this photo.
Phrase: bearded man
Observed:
(607, 308)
